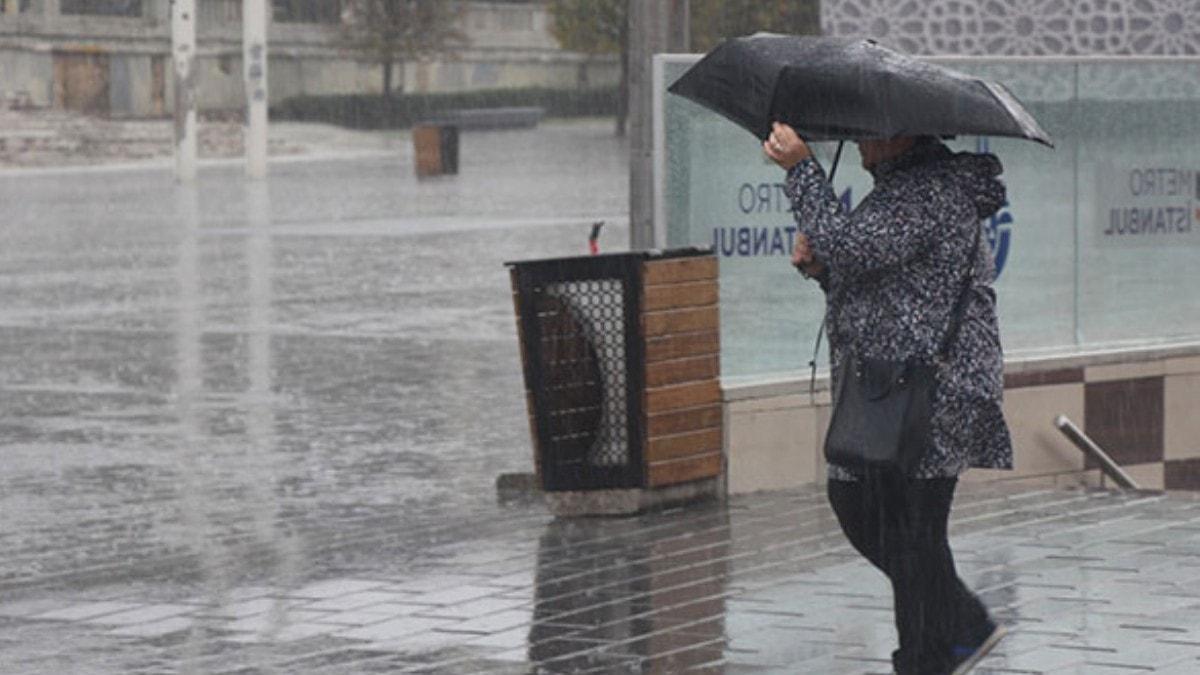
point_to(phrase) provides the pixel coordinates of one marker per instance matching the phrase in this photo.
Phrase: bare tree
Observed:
(395, 31)
(594, 27)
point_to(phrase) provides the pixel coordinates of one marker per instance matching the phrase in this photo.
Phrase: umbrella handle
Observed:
(837, 156)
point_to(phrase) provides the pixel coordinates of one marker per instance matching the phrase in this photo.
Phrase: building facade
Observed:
(112, 57)
(1020, 27)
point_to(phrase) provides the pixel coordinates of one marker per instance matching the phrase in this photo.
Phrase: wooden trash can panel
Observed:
(427, 150)
(435, 149)
(673, 472)
(625, 393)
(681, 327)
(688, 419)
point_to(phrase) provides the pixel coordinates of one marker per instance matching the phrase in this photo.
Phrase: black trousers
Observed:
(899, 524)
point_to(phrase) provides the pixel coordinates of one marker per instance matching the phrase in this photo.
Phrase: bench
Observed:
(486, 118)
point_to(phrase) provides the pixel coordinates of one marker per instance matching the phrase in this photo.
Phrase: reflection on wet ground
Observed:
(1089, 582)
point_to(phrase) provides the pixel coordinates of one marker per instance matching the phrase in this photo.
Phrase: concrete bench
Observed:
(487, 118)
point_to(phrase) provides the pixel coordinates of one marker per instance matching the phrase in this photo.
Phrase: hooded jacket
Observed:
(895, 267)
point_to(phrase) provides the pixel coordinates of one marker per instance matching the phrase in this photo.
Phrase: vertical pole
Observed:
(655, 26)
(192, 446)
(254, 66)
(679, 26)
(262, 468)
(183, 58)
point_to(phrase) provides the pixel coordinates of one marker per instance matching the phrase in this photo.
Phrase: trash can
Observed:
(621, 358)
(435, 147)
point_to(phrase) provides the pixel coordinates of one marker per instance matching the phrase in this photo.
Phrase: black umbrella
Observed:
(840, 89)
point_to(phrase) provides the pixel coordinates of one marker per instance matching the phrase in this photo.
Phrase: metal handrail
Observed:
(1089, 447)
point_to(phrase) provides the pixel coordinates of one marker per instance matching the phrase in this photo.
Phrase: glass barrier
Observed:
(1096, 247)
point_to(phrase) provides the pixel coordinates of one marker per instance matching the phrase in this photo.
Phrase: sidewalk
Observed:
(1089, 582)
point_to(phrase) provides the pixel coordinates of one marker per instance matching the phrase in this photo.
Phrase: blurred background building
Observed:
(112, 57)
(1020, 27)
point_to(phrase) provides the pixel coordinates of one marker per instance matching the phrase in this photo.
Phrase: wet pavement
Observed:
(255, 429)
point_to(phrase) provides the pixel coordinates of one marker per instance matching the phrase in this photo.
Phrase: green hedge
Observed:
(370, 111)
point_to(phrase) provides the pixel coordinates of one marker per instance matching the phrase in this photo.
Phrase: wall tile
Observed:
(1148, 476)
(1181, 416)
(1182, 474)
(1124, 371)
(1125, 418)
(771, 449)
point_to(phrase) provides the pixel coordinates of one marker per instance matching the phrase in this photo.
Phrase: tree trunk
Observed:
(387, 78)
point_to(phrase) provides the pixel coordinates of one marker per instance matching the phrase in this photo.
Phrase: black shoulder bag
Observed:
(882, 409)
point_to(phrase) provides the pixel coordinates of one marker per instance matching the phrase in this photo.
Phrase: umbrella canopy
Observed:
(839, 89)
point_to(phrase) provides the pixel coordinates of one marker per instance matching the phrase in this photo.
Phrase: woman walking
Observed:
(893, 272)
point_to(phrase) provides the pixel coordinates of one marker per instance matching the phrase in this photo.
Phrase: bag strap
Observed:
(964, 294)
(956, 315)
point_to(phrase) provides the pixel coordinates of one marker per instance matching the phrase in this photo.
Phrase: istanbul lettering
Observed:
(769, 198)
(1153, 201)
(759, 198)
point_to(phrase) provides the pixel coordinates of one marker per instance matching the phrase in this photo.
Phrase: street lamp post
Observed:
(183, 59)
(654, 26)
(254, 60)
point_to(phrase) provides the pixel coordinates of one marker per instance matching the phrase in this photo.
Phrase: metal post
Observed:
(190, 447)
(655, 26)
(183, 54)
(1089, 447)
(254, 69)
(262, 468)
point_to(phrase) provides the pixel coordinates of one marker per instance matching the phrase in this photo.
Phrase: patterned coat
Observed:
(895, 269)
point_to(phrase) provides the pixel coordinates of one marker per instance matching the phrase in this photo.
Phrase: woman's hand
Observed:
(785, 147)
(803, 259)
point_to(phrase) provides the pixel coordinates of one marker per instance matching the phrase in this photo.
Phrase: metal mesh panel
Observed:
(583, 367)
(583, 352)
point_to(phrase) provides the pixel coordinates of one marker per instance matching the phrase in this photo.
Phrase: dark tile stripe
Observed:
(1039, 378)
(1182, 474)
(1125, 417)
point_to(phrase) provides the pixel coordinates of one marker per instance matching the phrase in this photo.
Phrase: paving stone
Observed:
(371, 614)
(452, 596)
(1038, 660)
(333, 588)
(85, 610)
(491, 623)
(251, 592)
(1151, 654)
(248, 608)
(473, 608)
(393, 629)
(512, 638)
(355, 600)
(261, 623)
(156, 629)
(426, 641)
(142, 615)
(300, 631)
(1187, 667)
(30, 607)
(436, 582)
